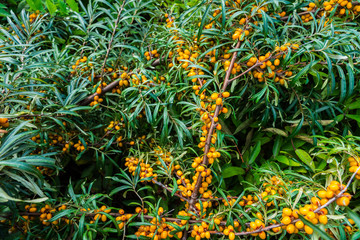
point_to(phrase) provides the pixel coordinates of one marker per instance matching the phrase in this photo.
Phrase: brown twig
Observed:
(3, 131)
(195, 193)
(106, 89)
(299, 14)
(168, 189)
(254, 66)
(110, 87)
(112, 37)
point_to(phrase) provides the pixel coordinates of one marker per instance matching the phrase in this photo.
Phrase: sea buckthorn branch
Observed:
(168, 189)
(340, 194)
(111, 86)
(37, 115)
(106, 89)
(264, 229)
(3, 131)
(299, 14)
(169, 219)
(112, 37)
(316, 9)
(227, 80)
(258, 63)
(195, 193)
(160, 61)
(218, 199)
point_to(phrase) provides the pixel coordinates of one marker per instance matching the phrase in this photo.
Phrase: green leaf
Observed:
(66, 212)
(51, 7)
(276, 131)
(277, 145)
(298, 127)
(285, 160)
(303, 71)
(118, 189)
(31, 4)
(342, 84)
(4, 197)
(354, 105)
(255, 152)
(223, 9)
(73, 5)
(4, 13)
(354, 117)
(174, 187)
(305, 158)
(232, 171)
(243, 125)
(203, 20)
(38, 5)
(351, 79)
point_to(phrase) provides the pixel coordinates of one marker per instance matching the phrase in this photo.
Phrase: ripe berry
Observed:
(290, 228)
(299, 225)
(323, 219)
(287, 211)
(214, 96)
(231, 235)
(308, 229)
(286, 220)
(310, 215)
(226, 94)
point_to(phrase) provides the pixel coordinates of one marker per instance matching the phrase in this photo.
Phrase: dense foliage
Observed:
(179, 119)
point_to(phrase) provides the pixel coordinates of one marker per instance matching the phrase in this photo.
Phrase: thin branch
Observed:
(111, 86)
(169, 190)
(3, 131)
(112, 37)
(195, 193)
(255, 65)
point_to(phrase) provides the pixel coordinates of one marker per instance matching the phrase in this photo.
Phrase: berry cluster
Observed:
(354, 165)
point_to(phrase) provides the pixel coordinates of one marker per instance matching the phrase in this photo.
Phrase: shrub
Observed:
(158, 119)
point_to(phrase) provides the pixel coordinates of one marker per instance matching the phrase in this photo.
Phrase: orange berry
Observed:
(258, 223)
(334, 187)
(164, 234)
(303, 211)
(3, 120)
(322, 194)
(286, 220)
(231, 235)
(290, 228)
(323, 219)
(214, 96)
(277, 62)
(226, 94)
(310, 215)
(343, 201)
(262, 235)
(287, 211)
(253, 225)
(308, 229)
(299, 225)
(329, 194)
